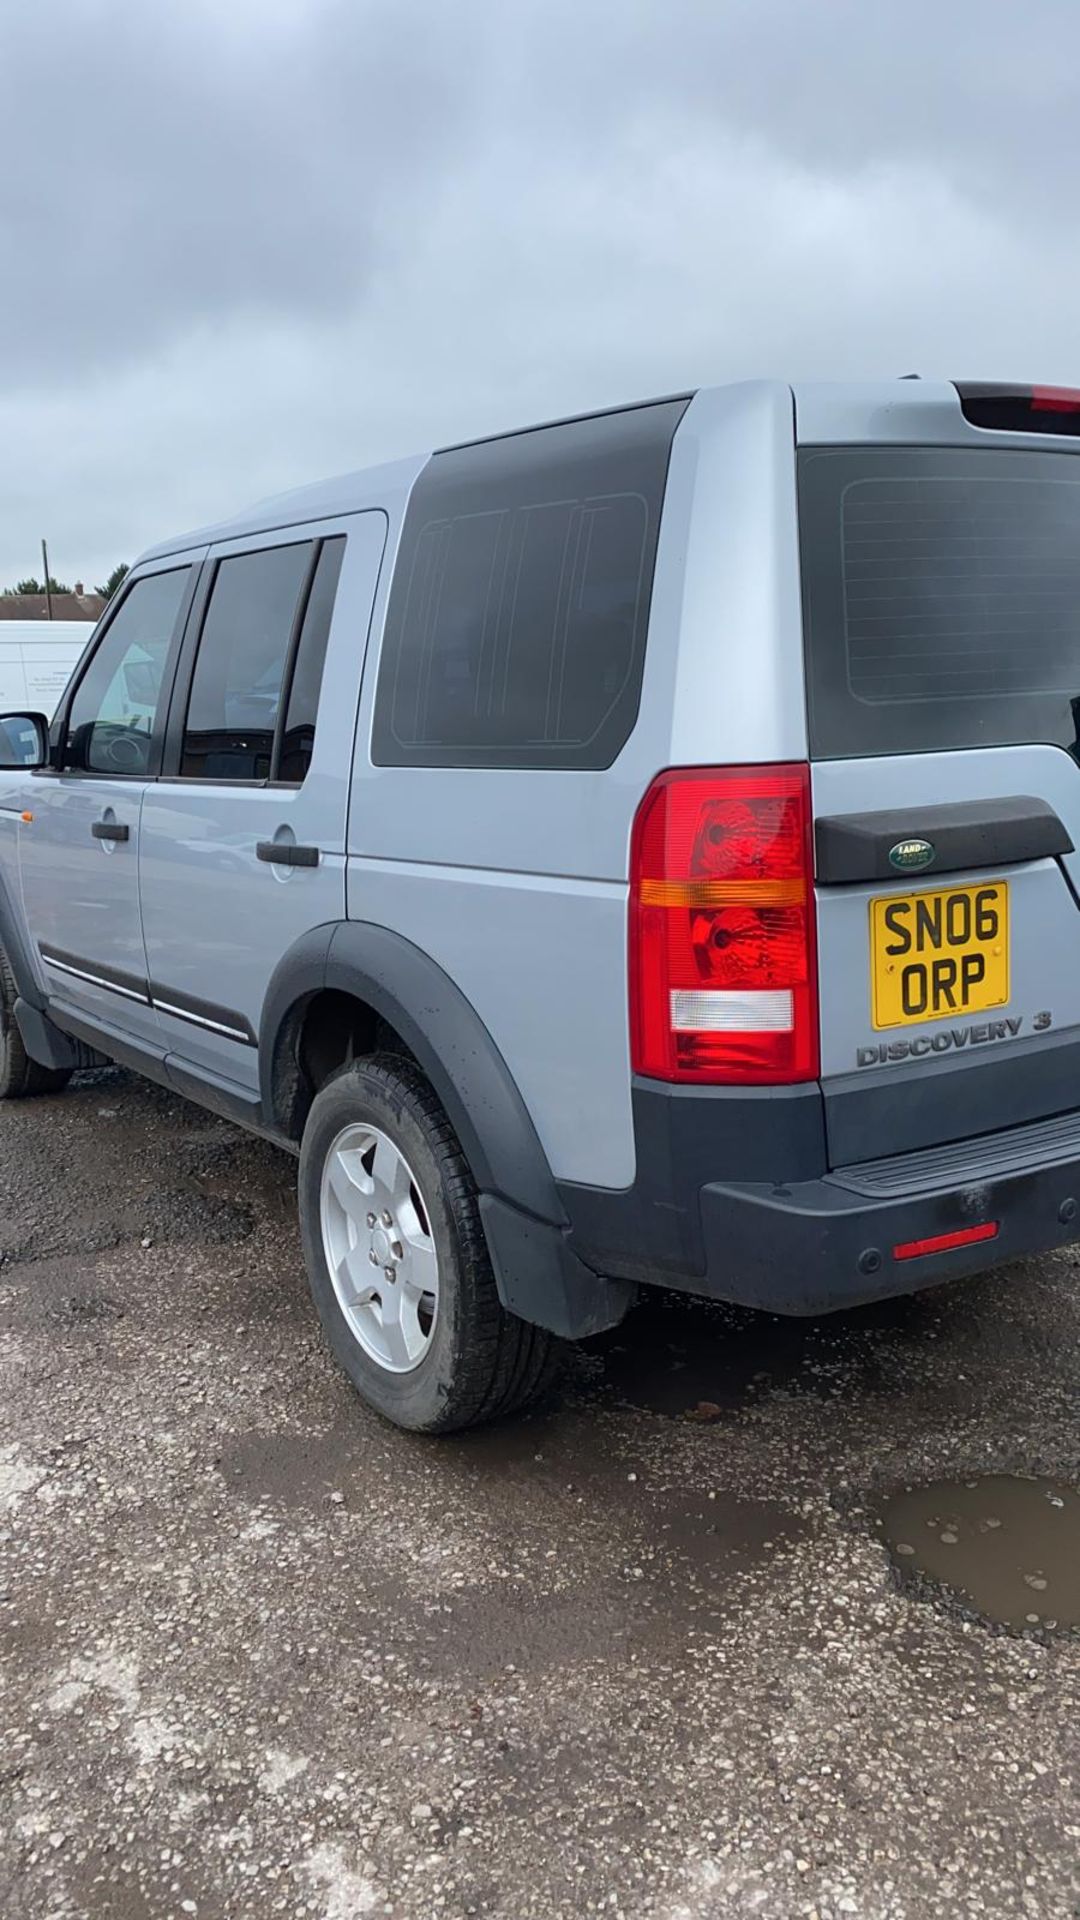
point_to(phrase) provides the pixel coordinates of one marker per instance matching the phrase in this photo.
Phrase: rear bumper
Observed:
(816, 1247)
(786, 1235)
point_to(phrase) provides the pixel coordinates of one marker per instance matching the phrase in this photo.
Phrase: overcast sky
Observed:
(247, 243)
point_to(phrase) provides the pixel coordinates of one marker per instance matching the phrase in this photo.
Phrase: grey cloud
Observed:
(193, 163)
(248, 242)
(181, 173)
(983, 93)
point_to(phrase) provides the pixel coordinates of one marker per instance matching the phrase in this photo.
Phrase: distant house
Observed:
(65, 606)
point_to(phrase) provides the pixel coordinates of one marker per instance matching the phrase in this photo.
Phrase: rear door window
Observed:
(298, 738)
(258, 673)
(236, 690)
(941, 596)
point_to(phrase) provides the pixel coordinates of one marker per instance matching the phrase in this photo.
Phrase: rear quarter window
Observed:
(941, 598)
(516, 625)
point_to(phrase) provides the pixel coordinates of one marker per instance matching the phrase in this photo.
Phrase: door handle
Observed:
(282, 853)
(110, 830)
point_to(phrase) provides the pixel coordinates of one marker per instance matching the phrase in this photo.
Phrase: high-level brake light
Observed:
(722, 956)
(1010, 409)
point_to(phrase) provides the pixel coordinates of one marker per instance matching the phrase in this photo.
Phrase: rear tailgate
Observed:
(942, 632)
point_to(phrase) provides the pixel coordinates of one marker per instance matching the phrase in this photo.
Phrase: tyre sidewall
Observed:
(19, 1074)
(6, 1062)
(423, 1398)
(12, 1055)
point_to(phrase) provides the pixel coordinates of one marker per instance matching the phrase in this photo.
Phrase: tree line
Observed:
(31, 585)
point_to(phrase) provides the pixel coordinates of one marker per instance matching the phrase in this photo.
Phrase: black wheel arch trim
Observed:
(441, 1029)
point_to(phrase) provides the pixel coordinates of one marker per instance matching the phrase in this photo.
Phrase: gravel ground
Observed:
(644, 1653)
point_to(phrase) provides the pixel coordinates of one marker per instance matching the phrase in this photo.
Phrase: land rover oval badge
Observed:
(911, 856)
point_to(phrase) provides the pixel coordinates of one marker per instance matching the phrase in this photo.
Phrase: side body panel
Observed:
(515, 881)
(79, 837)
(81, 896)
(16, 791)
(217, 917)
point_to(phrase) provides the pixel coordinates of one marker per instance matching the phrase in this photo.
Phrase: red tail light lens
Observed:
(722, 963)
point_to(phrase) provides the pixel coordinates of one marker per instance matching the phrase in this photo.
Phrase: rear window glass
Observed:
(515, 631)
(941, 594)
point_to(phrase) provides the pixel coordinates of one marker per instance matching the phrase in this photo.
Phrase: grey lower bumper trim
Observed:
(988, 1156)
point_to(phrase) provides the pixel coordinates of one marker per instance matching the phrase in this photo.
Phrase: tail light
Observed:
(723, 983)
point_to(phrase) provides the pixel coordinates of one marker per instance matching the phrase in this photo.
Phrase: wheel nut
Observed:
(389, 1271)
(397, 1249)
(373, 1257)
(371, 1219)
(388, 1219)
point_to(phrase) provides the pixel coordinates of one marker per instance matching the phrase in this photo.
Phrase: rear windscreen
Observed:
(941, 598)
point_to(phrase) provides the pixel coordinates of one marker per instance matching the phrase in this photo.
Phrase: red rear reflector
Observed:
(722, 964)
(945, 1242)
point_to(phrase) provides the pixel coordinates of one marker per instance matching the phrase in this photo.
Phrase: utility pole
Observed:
(48, 594)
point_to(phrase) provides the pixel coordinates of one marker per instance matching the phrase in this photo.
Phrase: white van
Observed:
(37, 659)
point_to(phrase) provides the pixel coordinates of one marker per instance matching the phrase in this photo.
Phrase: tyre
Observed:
(19, 1075)
(397, 1259)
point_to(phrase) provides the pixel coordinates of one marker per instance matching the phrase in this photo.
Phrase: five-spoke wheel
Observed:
(379, 1247)
(398, 1259)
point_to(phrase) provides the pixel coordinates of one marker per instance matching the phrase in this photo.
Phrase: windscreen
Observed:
(941, 598)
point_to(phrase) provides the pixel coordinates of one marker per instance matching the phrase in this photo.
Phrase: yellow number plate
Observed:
(937, 954)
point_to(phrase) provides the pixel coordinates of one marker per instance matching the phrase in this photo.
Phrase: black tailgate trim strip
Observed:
(966, 834)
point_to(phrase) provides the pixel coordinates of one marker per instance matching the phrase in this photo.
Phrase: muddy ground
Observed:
(646, 1653)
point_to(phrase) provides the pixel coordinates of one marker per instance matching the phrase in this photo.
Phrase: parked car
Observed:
(633, 851)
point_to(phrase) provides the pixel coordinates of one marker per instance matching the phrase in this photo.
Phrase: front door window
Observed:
(116, 702)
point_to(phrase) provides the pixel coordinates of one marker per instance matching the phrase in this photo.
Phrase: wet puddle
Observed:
(1008, 1547)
